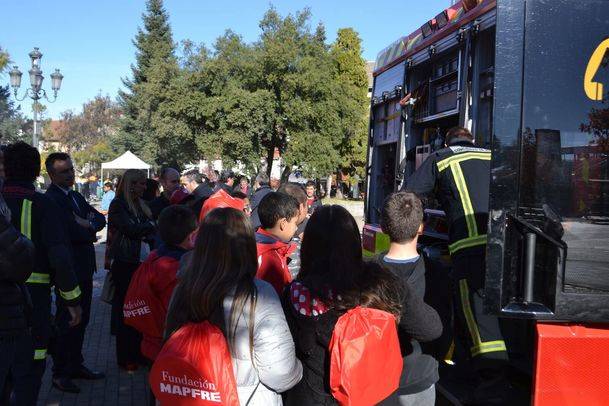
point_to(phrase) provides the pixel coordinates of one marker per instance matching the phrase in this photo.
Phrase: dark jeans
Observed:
(128, 339)
(67, 355)
(151, 398)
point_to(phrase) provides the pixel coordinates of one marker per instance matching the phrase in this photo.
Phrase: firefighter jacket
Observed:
(39, 219)
(459, 177)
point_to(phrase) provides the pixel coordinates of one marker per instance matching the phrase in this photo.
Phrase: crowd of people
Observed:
(268, 265)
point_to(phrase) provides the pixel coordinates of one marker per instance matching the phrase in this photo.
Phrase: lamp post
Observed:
(35, 92)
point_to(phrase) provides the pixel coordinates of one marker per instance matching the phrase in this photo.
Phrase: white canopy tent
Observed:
(126, 161)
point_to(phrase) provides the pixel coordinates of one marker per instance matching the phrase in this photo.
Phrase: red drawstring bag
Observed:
(194, 368)
(218, 200)
(141, 308)
(365, 357)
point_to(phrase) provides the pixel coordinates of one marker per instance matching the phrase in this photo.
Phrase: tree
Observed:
(296, 70)
(285, 92)
(94, 155)
(288, 91)
(350, 73)
(13, 125)
(12, 122)
(226, 112)
(4, 59)
(148, 126)
(98, 121)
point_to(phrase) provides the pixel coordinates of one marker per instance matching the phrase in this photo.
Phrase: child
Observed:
(218, 285)
(247, 208)
(333, 279)
(279, 214)
(402, 220)
(176, 225)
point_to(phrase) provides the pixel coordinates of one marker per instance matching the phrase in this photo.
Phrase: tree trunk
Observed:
(270, 154)
(329, 186)
(339, 185)
(285, 175)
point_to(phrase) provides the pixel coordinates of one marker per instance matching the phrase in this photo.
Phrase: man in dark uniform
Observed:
(39, 219)
(458, 175)
(82, 222)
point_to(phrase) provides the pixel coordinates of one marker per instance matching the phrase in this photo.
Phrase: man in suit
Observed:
(198, 187)
(170, 180)
(82, 222)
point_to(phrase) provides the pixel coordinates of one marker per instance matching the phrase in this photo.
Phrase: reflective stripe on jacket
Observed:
(459, 175)
(39, 218)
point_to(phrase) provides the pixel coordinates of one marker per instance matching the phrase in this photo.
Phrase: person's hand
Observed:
(82, 222)
(75, 315)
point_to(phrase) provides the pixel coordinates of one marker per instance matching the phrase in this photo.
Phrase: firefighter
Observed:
(458, 176)
(38, 218)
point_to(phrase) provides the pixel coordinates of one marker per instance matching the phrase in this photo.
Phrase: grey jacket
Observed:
(275, 364)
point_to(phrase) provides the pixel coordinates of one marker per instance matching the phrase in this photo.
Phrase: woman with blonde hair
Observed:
(132, 228)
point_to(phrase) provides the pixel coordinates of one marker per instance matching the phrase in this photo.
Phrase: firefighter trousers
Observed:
(27, 386)
(478, 331)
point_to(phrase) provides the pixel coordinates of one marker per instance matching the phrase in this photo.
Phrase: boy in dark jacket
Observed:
(176, 226)
(402, 220)
(279, 214)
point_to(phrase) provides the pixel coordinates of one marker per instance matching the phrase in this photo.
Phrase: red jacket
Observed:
(162, 281)
(273, 260)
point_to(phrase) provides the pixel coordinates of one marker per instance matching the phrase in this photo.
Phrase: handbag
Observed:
(109, 289)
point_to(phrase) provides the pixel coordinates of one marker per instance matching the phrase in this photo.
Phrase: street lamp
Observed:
(35, 92)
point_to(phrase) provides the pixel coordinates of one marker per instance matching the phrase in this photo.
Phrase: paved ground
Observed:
(118, 388)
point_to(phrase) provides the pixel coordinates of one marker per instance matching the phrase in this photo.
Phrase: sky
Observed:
(90, 41)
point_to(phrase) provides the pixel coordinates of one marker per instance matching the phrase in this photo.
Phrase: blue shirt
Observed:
(108, 197)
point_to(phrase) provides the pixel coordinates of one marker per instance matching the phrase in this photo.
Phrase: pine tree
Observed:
(148, 127)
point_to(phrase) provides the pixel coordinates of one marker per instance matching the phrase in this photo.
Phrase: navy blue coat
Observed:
(81, 238)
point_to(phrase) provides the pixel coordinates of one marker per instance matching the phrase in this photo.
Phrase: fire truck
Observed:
(530, 79)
